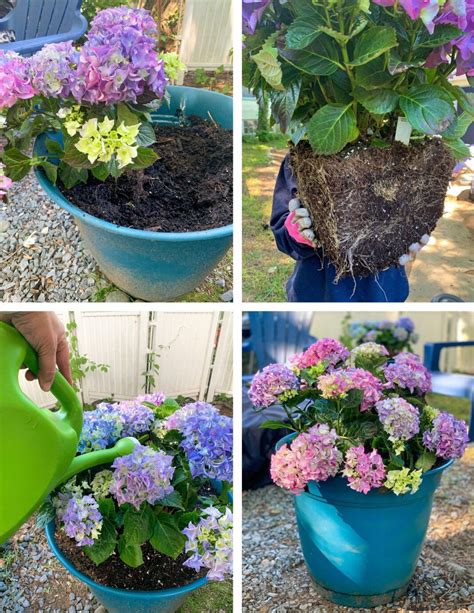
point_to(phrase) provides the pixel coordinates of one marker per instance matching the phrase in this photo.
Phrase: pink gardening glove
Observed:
(298, 224)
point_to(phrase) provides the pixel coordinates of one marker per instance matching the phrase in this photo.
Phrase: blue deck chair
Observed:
(36, 23)
(450, 384)
(273, 337)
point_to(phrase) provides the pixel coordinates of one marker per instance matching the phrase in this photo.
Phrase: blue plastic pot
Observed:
(155, 266)
(127, 601)
(361, 550)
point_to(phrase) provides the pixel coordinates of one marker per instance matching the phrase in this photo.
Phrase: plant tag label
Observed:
(403, 131)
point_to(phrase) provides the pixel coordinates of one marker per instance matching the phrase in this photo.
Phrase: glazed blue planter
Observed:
(127, 601)
(154, 266)
(361, 550)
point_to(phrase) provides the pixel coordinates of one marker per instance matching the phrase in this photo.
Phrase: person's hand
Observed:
(47, 336)
(298, 224)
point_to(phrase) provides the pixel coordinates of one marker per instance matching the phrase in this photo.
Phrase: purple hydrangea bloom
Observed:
(401, 334)
(15, 83)
(407, 323)
(207, 439)
(82, 519)
(364, 471)
(252, 11)
(407, 371)
(269, 383)
(101, 429)
(156, 398)
(136, 417)
(399, 418)
(52, 69)
(448, 437)
(143, 475)
(210, 543)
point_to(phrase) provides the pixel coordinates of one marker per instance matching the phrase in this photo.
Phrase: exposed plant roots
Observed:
(368, 205)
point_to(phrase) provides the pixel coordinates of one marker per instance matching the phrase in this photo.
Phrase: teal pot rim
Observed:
(174, 591)
(434, 471)
(201, 235)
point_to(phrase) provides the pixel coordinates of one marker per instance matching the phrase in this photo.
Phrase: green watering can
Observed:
(37, 446)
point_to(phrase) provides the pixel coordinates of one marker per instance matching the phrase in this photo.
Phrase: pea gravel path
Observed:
(42, 258)
(275, 579)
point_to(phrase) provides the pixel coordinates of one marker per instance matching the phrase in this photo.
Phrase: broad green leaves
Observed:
(284, 104)
(331, 128)
(17, 164)
(167, 538)
(138, 525)
(378, 101)
(372, 43)
(303, 32)
(269, 66)
(428, 108)
(104, 546)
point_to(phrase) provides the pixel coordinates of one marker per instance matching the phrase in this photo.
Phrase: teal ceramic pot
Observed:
(154, 266)
(361, 550)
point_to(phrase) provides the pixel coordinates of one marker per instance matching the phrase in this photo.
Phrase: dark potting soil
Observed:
(368, 205)
(189, 188)
(158, 572)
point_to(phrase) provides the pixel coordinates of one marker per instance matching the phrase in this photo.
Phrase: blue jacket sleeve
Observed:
(285, 190)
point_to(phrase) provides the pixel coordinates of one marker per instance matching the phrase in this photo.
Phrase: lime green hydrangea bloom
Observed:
(430, 412)
(101, 140)
(101, 483)
(74, 118)
(173, 65)
(403, 480)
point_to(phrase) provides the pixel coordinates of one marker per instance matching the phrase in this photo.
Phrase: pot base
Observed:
(359, 601)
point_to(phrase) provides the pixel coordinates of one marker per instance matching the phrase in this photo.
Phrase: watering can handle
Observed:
(13, 344)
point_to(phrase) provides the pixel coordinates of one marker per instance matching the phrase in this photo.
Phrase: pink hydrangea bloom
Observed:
(14, 79)
(327, 349)
(312, 456)
(448, 437)
(364, 471)
(407, 371)
(5, 182)
(371, 387)
(426, 10)
(337, 383)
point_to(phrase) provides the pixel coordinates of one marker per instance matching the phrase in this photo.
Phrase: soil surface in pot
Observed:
(188, 189)
(368, 205)
(158, 572)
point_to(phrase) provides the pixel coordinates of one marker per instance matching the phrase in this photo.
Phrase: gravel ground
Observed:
(275, 579)
(42, 258)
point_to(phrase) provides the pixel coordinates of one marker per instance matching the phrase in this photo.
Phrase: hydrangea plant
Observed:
(97, 98)
(395, 336)
(340, 71)
(360, 414)
(172, 491)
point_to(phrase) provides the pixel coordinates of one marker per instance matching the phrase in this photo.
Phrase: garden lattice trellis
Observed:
(193, 351)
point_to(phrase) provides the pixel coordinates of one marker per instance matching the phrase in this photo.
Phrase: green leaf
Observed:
(166, 408)
(372, 43)
(146, 135)
(104, 546)
(130, 554)
(428, 109)
(17, 164)
(426, 461)
(71, 176)
(51, 171)
(458, 148)
(378, 101)
(100, 172)
(464, 122)
(167, 538)
(145, 157)
(185, 518)
(126, 115)
(443, 33)
(396, 65)
(302, 33)
(113, 167)
(273, 424)
(284, 104)
(339, 36)
(53, 147)
(322, 59)
(373, 75)
(269, 66)
(173, 500)
(331, 128)
(107, 508)
(138, 525)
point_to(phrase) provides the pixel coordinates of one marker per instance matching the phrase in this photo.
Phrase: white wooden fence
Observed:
(193, 351)
(206, 35)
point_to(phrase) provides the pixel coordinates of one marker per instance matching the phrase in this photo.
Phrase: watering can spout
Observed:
(95, 458)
